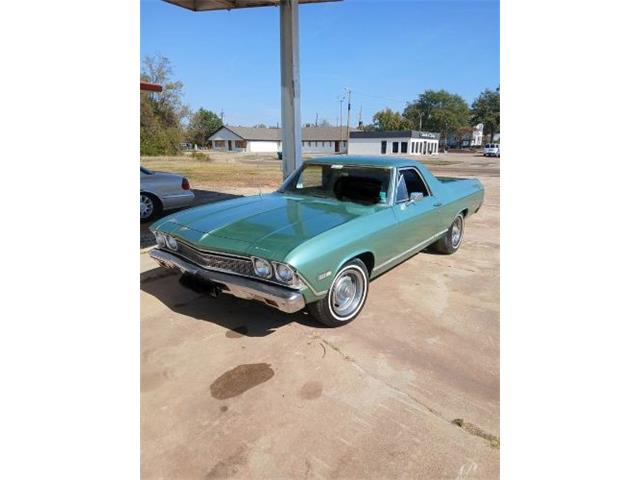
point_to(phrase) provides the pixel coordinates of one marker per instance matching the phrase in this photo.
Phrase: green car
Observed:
(334, 225)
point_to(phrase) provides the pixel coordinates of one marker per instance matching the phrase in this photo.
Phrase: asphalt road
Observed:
(410, 389)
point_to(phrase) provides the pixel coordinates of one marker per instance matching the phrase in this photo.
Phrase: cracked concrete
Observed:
(410, 389)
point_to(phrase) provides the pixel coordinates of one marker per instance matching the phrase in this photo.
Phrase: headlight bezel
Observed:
(255, 260)
(161, 239)
(168, 239)
(294, 282)
(279, 277)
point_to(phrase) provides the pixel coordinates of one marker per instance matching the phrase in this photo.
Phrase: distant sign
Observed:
(427, 135)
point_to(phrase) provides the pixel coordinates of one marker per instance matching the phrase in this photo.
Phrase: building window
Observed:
(383, 147)
(241, 144)
(219, 143)
(403, 147)
(413, 147)
(395, 147)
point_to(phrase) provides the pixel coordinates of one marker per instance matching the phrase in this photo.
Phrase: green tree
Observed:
(486, 110)
(161, 113)
(201, 125)
(387, 119)
(441, 111)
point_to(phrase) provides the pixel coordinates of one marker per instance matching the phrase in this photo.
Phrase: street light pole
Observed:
(348, 113)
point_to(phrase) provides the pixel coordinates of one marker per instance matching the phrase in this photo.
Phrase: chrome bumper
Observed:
(283, 299)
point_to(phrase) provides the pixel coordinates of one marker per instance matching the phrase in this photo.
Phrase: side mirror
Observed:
(415, 197)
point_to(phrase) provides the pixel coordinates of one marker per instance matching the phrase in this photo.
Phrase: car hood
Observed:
(264, 225)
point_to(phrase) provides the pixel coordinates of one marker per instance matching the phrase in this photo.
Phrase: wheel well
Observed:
(465, 212)
(368, 259)
(153, 197)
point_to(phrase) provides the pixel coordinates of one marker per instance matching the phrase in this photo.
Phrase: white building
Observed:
(246, 139)
(472, 138)
(405, 142)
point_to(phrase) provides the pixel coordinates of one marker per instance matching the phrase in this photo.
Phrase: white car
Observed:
(491, 150)
(162, 191)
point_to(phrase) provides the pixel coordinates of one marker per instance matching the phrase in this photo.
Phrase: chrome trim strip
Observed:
(420, 245)
(281, 298)
(308, 285)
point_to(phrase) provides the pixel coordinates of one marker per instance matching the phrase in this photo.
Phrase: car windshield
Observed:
(349, 183)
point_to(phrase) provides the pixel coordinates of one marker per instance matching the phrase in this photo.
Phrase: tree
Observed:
(486, 110)
(441, 111)
(161, 113)
(387, 119)
(201, 125)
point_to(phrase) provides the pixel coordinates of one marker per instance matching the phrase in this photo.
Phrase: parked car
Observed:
(161, 191)
(491, 150)
(335, 224)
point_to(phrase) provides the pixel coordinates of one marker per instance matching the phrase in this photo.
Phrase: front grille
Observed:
(241, 266)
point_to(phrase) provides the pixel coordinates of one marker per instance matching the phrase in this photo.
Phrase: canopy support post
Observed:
(290, 87)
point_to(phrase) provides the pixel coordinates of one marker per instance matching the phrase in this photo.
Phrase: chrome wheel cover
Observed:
(146, 206)
(456, 231)
(347, 293)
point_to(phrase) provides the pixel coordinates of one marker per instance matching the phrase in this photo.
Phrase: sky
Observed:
(386, 51)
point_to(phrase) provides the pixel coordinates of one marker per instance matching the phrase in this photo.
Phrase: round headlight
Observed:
(284, 273)
(160, 239)
(262, 267)
(172, 243)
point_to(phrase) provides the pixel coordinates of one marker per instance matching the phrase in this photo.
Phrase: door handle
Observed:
(437, 204)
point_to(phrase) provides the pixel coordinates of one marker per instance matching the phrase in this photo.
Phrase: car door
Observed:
(417, 220)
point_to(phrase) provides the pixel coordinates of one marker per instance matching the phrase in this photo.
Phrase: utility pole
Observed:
(348, 112)
(316, 119)
(341, 99)
(360, 118)
(222, 115)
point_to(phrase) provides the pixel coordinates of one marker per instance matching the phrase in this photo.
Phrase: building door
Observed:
(337, 147)
(229, 145)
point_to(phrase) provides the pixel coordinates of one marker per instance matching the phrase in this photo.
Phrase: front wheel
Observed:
(451, 240)
(346, 296)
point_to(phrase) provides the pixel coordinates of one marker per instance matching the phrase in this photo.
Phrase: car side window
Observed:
(410, 182)
(402, 194)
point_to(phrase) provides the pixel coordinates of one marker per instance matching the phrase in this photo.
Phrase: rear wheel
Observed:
(346, 296)
(150, 207)
(452, 240)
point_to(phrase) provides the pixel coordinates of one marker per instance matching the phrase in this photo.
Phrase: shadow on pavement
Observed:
(202, 197)
(239, 317)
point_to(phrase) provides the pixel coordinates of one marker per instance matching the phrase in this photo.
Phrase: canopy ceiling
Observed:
(204, 5)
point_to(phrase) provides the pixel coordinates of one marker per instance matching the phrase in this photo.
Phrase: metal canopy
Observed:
(289, 67)
(206, 5)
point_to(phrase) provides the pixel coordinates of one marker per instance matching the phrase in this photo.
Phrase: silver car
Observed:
(161, 191)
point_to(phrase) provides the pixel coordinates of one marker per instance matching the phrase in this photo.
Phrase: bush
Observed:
(199, 156)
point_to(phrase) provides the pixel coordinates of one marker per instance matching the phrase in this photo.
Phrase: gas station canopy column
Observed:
(289, 67)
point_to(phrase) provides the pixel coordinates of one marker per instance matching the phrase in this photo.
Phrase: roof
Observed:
(204, 5)
(395, 134)
(150, 87)
(275, 134)
(377, 161)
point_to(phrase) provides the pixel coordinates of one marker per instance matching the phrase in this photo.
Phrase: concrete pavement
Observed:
(410, 389)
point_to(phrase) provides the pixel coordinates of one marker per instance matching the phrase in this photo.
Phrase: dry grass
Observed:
(249, 171)
(238, 170)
